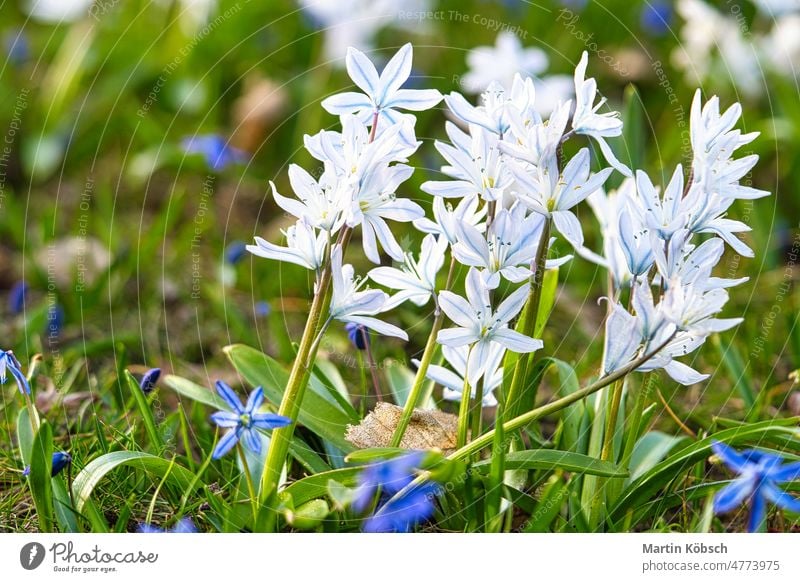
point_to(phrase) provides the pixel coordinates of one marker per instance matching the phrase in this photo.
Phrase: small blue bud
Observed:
(17, 296)
(235, 252)
(60, 461)
(55, 320)
(149, 380)
(358, 334)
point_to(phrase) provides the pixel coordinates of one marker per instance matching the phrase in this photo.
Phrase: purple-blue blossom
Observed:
(217, 151)
(9, 363)
(243, 421)
(759, 475)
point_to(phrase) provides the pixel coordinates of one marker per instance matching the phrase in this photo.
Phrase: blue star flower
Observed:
(17, 297)
(60, 461)
(183, 526)
(759, 476)
(387, 479)
(216, 150)
(244, 421)
(149, 380)
(9, 363)
(358, 334)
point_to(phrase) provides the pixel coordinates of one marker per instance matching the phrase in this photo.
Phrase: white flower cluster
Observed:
(505, 189)
(725, 44)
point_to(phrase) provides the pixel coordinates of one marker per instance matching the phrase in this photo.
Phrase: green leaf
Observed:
(93, 473)
(316, 486)
(298, 448)
(374, 454)
(650, 450)
(546, 300)
(642, 490)
(317, 413)
(39, 477)
(550, 460)
(737, 370)
(65, 515)
(549, 505)
(633, 116)
(25, 436)
(309, 515)
(145, 412)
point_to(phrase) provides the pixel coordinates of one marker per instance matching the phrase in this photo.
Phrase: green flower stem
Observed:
(611, 420)
(463, 407)
(249, 478)
(635, 419)
(427, 356)
(488, 437)
(298, 380)
(529, 316)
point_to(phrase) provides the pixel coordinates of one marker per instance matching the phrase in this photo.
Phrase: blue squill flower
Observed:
(243, 421)
(386, 479)
(656, 17)
(235, 252)
(216, 150)
(9, 363)
(759, 475)
(358, 334)
(185, 525)
(17, 297)
(401, 514)
(60, 461)
(149, 380)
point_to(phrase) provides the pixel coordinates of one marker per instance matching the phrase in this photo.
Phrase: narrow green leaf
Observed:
(24, 436)
(650, 450)
(550, 460)
(93, 473)
(316, 486)
(145, 412)
(39, 478)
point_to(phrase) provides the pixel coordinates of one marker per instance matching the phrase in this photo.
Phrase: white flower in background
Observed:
(446, 219)
(452, 381)
(507, 58)
(587, 121)
(320, 201)
(476, 170)
(415, 281)
(479, 326)
(376, 202)
(636, 244)
(354, 23)
(512, 241)
(382, 94)
(713, 43)
(547, 192)
(56, 11)
(781, 47)
(350, 305)
(304, 246)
